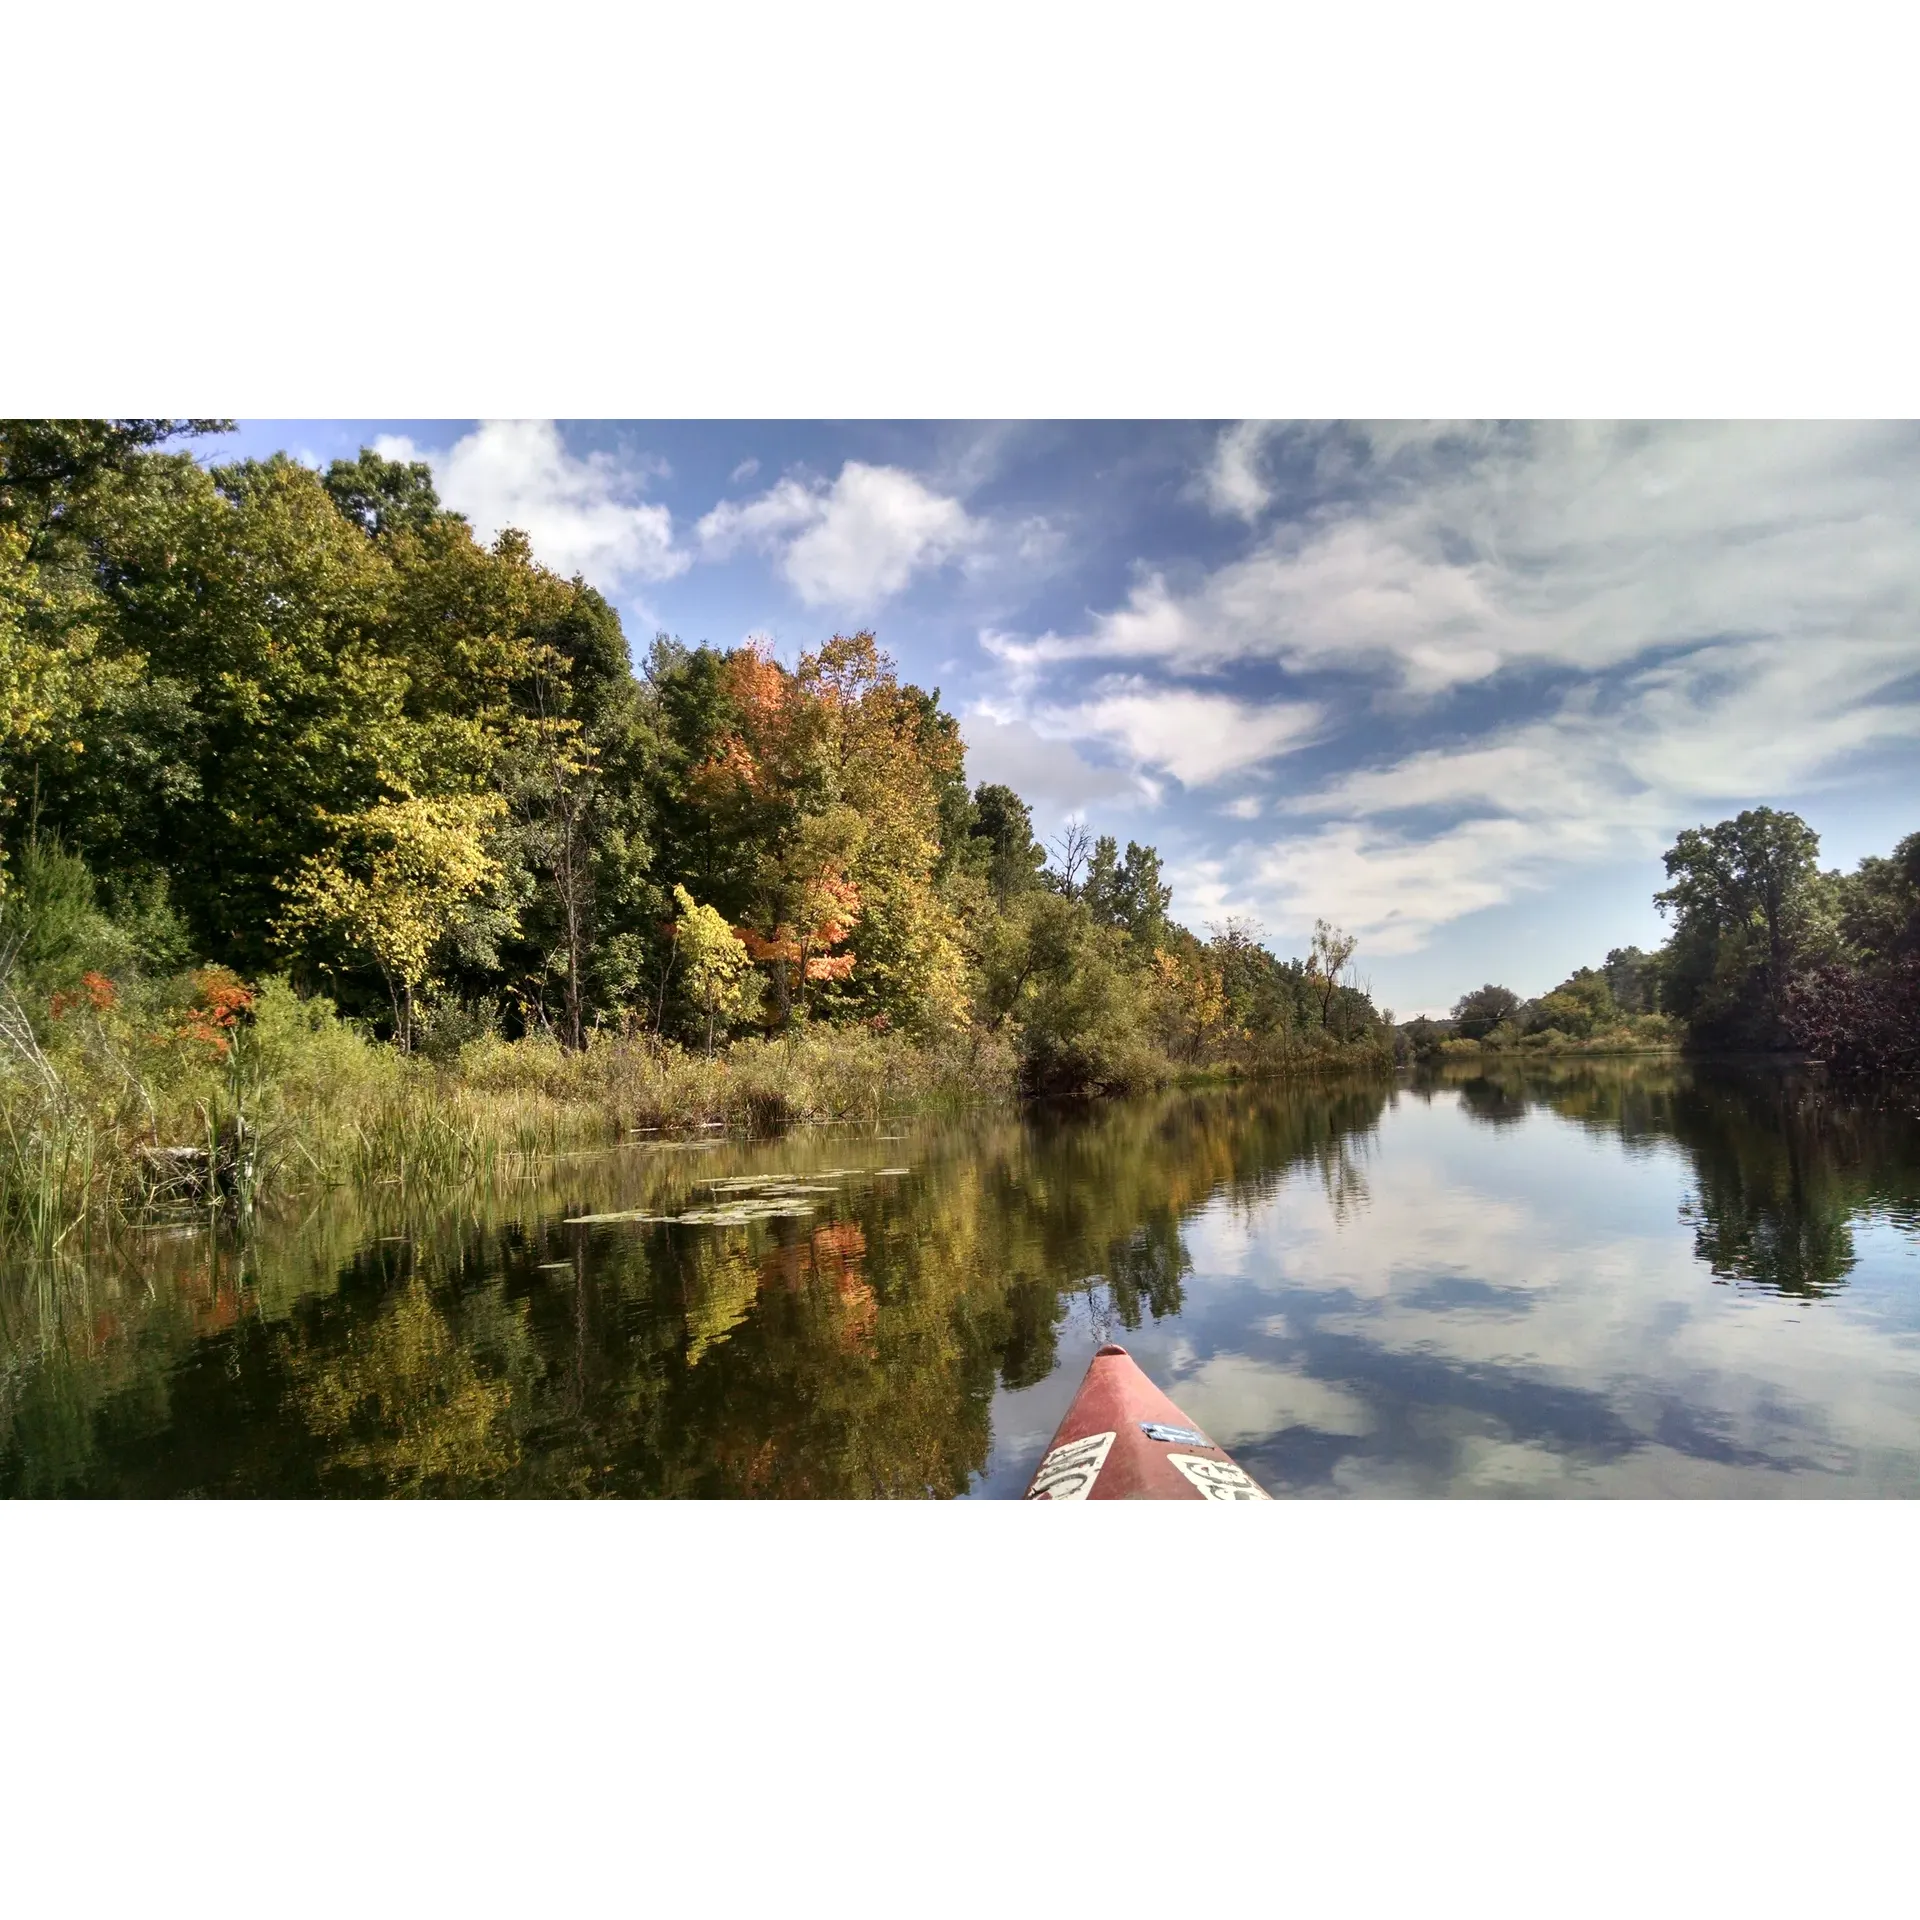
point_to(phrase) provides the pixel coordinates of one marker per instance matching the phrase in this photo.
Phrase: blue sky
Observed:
(1453, 687)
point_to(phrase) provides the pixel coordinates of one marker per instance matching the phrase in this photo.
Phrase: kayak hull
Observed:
(1123, 1439)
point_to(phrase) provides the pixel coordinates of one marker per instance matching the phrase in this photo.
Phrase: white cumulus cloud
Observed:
(1197, 737)
(852, 544)
(581, 512)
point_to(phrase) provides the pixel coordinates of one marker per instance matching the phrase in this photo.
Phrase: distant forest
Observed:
(1768, 952)
(264, 722)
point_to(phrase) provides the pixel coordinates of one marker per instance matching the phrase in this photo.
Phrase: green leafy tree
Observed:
(51, 470)
(1003, 824)
(1063, 982)
(382, 496)
(1579, 1007)
(1332, 952)
(1476, 1014)
(46, 667)
(1264, 994)
(1633, 978)
(1740, 898)
(1127, 891)
(1880, 905)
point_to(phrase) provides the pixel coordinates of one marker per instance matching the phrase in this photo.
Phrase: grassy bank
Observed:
(200, 1093)
(261, 1096)
(1311, 1055)
(1646, 1033)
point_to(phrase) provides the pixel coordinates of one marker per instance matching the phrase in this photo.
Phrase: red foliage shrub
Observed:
(95, 991)
(221, 1001)
(1859, 1022)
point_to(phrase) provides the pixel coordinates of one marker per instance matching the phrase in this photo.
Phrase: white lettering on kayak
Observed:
(1218, 1479)
(1068, 1472)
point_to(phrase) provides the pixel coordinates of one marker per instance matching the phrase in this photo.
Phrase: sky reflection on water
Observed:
(1490, 1295)
(1603, 1278)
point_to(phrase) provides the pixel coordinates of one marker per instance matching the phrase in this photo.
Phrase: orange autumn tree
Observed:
(886, 751)
(811, 907)
(826, 785)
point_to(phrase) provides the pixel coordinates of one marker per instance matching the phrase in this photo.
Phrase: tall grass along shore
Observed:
(255, 1094)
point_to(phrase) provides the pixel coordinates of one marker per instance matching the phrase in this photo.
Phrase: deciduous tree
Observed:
(715, 964)
(392, 886)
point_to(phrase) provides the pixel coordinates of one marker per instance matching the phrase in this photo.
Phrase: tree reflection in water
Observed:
(491, 1347)
(1783, 1164)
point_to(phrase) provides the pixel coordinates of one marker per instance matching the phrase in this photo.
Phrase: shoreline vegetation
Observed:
(337, 846)
(298, 1102)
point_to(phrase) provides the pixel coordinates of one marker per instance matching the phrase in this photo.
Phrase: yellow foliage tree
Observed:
(719, 971)
(393, 885)
(1190, 1004)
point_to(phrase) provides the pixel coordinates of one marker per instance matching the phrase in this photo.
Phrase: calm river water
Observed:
(1606, 1278)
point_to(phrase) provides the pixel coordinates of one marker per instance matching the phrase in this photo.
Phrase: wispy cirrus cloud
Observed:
(1234, 481)
(1438, 559)
(1655, 622)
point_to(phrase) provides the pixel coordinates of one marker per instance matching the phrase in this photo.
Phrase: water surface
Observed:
(1601, 1278)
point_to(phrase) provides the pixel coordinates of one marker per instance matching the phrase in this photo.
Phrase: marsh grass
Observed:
(103, 1124)
(124, 1112)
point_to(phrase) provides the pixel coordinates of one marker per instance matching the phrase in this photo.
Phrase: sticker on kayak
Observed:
(1179, 1436)
(1068, 1472)
(1218, 1479)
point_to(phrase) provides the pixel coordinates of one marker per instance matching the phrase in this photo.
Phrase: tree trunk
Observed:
(399, 1017)
(666, 974)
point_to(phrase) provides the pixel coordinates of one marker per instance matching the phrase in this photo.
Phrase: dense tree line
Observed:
(270, 720)
(1768, 951)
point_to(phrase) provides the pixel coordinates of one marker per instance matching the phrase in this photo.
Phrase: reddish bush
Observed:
(95, 990)
(221, 1001)
(1859, 1022)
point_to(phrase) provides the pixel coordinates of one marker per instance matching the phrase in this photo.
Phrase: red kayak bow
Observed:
(1123, 1439)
